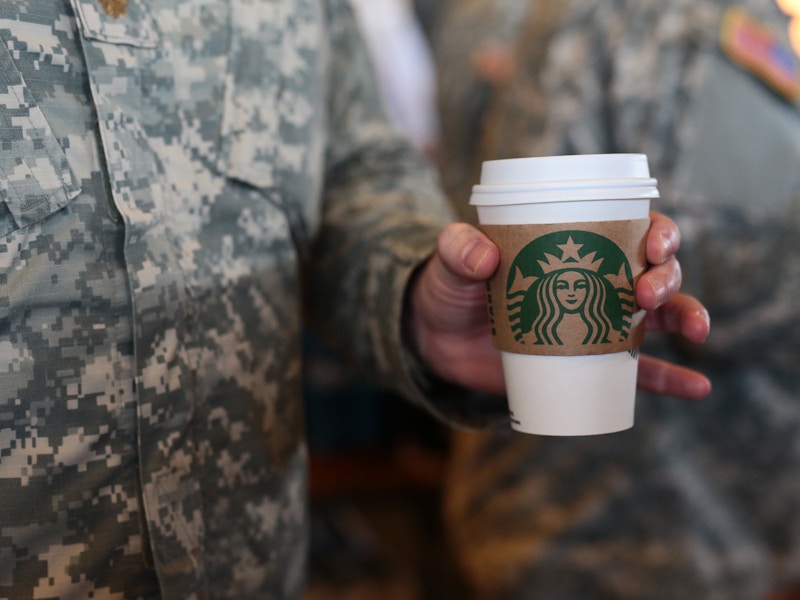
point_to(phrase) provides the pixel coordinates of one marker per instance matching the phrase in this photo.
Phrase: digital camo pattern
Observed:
(698, 500)
(168, 178)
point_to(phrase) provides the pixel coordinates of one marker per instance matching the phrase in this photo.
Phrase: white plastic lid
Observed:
(564, 178)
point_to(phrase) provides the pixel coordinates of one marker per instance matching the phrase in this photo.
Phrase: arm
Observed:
(382, 213)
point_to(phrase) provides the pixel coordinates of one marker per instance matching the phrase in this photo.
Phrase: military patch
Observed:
(115, 8)
(759, 50)
(792, 9)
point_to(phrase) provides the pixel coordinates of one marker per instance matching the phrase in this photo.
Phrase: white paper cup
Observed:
(549, 216)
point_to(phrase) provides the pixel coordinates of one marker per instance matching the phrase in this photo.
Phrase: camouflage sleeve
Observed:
(383, 211)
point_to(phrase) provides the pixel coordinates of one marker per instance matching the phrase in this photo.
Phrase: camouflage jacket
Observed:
(173, 175)
(698, 500)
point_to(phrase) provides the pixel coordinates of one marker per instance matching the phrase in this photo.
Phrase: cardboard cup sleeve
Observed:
(567, 289)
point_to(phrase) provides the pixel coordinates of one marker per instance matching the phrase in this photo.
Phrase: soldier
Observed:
(171, 174)
(697, 500)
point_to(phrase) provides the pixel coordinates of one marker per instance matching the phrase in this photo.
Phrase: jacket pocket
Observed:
(274, 110)
(35, 178)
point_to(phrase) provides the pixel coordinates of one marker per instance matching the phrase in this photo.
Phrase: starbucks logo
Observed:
(570, 288)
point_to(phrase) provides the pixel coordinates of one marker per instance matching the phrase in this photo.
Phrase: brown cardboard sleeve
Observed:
(567, 289)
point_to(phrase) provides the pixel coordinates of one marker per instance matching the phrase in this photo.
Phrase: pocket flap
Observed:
(117, 22)
(251, 112)
(35, 178)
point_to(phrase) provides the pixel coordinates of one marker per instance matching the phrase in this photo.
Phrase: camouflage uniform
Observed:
(698, 500)
(166, 176)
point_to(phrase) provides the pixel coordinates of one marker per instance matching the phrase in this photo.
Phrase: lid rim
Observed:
(550, 196)
(563, 185)
(567, 167)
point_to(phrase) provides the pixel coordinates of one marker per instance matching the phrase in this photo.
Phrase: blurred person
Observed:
(404, 66)
(697, 500)
(172, 174)
(472, 46)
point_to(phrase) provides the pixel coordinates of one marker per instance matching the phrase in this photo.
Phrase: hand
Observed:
(450, 325)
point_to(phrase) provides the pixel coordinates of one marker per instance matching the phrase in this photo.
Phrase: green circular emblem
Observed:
(570, 288)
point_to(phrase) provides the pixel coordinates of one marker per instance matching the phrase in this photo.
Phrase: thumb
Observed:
(449, 322)
(466, 254)
(450, 293)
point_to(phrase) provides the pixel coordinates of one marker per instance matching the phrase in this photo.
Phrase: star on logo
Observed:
(570, 250)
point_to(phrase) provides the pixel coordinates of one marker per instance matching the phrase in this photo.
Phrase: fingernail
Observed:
(659, 291)
(474, 255)
(706, 317)
(667, 244)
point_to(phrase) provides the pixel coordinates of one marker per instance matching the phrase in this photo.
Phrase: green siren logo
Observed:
(570, 288)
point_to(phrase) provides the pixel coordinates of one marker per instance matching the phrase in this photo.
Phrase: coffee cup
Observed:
(571, 232)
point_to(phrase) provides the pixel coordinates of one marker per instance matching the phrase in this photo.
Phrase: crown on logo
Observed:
(570, 259)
